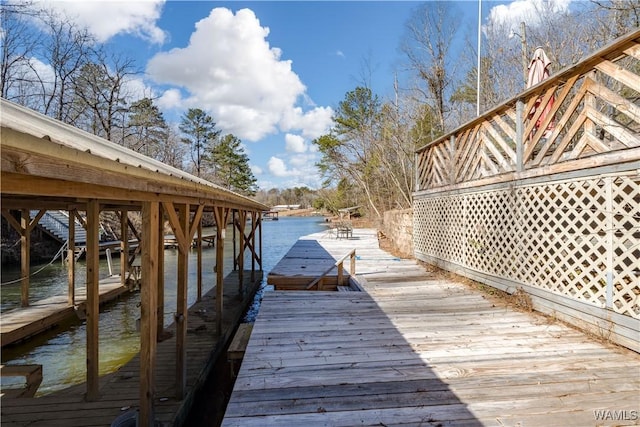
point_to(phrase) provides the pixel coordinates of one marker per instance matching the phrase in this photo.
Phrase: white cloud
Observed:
(303, 161)
(170, 99)
(230, 70)
(529, 11)
(105, 19)
(257, 170)
(294, 143)
(296, 171)
(277, 167)
(312, 124)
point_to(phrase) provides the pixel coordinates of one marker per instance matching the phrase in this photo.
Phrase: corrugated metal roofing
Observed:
(25, 120)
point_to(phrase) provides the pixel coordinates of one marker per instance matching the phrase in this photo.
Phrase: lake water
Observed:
(61, 351)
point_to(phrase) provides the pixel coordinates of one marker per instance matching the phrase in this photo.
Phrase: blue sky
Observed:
(269, 72)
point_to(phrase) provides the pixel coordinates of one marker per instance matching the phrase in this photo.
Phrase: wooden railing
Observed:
(585, 116)
(32, 375)
(340, 264)
(542, 193)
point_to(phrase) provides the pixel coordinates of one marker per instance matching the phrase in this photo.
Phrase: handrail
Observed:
(31, 373)
(581, 117)
(339, 263)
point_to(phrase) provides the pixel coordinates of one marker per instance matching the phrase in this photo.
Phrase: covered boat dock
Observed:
(47, 165)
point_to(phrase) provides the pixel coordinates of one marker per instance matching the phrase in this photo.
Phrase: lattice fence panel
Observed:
(626, 245)
(578, 238)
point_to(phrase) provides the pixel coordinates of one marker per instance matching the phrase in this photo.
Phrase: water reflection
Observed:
(61, 351)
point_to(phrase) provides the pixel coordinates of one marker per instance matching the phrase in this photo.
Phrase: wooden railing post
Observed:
(352, 269)
(609, 233)
(339, 263)
(452, 156)
(519, 135)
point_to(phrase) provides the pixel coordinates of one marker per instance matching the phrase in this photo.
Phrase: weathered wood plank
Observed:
(417, 348)
(20, 323)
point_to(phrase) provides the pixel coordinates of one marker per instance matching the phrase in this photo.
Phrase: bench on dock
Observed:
(32, 375)
(238, 345)
(344, 230)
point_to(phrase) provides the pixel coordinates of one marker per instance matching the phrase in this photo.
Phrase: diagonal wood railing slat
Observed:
(542, 193)
(340, 265)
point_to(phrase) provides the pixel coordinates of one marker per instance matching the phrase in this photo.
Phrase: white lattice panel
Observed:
(579, 238)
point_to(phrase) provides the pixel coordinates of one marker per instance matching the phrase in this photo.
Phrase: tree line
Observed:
(367, 157)
(63, 72)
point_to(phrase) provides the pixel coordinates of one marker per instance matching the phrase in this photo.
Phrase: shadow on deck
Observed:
(119, 391)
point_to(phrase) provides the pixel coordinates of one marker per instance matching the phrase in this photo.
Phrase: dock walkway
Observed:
(119, 391)
(23, 322)
(418, 348)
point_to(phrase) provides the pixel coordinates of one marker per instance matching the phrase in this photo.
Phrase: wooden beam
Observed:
(199, 263)
(221, 215)
(6, 213)
(254, 225)
(177, 226)
(260, 236)
(71, 259)
(148, 311)
(25, 257)
(181, 297)
(124, 246)
(31, 373)
(160, 275)
(242, 221)
(71, 171)
(93, 298)
(24, 228)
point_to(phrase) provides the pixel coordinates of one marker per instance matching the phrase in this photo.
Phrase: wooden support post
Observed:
(24, 228)
(25, 259)
(234, 240)
(71, 259)
(182, 307)
(93, 298)
(260, 236)
(199, 246)
(242, 221)
(148, 311)
(160, 274)
(221, 223)
(341, 274)
(124, 246)
(254, 225)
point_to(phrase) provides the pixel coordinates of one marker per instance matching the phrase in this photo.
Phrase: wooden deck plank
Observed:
(417, 348)
(23, 322)
(119, 391)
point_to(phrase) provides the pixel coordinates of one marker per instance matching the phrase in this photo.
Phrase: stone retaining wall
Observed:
(397, 226)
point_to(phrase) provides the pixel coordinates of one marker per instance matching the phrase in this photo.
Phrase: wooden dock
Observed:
(419, 348)
(119, 391)
(39, 316)
(308, 259)
(170, 241)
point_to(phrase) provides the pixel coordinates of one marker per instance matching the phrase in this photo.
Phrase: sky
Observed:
(270, 72)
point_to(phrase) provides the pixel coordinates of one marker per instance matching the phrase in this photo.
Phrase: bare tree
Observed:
(66, 50)
(431, 32)
(99, 94)
(19, 43)
(614, 18)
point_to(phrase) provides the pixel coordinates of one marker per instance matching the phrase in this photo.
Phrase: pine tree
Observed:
(231, 165)
(200, 133)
